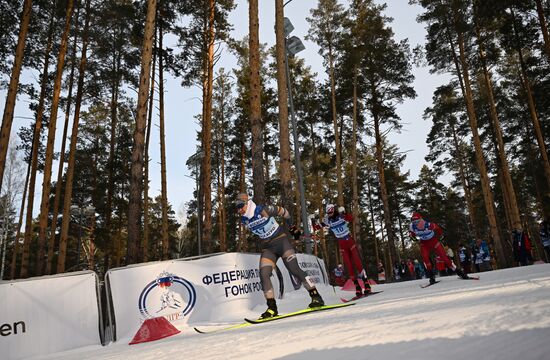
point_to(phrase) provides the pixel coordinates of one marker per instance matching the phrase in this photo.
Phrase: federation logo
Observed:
(168, 295)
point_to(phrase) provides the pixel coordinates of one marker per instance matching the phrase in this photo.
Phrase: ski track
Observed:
(505, 315)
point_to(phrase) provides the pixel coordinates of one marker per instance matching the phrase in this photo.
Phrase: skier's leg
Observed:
(291, 263)
(267, 264)
(425, 248)
(344, 251)
(361, 271)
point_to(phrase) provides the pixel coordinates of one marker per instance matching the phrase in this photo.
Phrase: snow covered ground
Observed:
(505, 315)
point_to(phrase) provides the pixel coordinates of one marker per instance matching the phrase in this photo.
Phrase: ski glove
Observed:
(295, 232)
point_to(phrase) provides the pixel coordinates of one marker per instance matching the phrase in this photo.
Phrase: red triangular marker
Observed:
(154, 329)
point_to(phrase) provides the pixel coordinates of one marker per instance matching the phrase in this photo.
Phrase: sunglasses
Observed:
(240, 205)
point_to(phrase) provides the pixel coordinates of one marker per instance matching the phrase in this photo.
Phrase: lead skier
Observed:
(275, 243)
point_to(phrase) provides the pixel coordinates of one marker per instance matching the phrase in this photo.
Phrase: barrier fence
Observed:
(61, 312)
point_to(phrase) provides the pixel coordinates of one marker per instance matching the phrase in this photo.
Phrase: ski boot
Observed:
(368, 289)
(271, 309)
(431, 276)
(462, 274)
(316, 299)
(358, 290)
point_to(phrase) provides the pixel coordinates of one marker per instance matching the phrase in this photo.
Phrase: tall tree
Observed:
(136, 171)
(72, 151)
(163, 186)
(258, 179)
(44, 203)
(457, 18)
(543, 27)
(61, 165)
(326, 23)
(7, 117)
(505, 168)
(386, 68)
(36, 144)
(282, 91)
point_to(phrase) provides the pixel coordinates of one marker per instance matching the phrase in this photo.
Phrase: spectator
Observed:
(418, 269)
(464, 258)
(522, 247)
(451, 256)
(410, 266)
(481, 255)
(440, 266)
(397, 271)
(545, 237)
(339, 278)
(381, 273)
(404, 271)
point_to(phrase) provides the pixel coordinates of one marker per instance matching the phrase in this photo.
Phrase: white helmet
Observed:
(330, 209)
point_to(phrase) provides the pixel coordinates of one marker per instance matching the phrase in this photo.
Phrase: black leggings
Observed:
(273, 250)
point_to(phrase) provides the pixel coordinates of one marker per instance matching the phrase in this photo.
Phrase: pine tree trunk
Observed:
(355, 201)
(11, 97)
(72, 150)
(464, 181)
(282, 95)
(242, 245)
(59, 184)
(543, 28)
(13, 266)
(534, 116)
(46, 183)
(207, 131)
(371, 210)
(461, 160)
(116, 249)
(221, 170)
(506, 177)
(258, 180)
(145, 245)
(382, 180)
(163, 191)
(337, 143)
(136, 172)
(480, 159)
(34, 152)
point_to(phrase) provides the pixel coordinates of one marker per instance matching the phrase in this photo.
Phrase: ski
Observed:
(236, 326)
(360, 297)
(299, 312)
(470, 278)
(430, 284)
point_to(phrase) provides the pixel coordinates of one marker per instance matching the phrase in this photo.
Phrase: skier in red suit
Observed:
(429, 234)
(338, 221)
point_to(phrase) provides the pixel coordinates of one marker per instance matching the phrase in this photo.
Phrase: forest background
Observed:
(123, 93)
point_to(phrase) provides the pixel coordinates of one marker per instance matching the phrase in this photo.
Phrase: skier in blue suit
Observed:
(275, 243)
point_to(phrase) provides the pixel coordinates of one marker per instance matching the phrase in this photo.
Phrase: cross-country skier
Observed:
(338, 221)
(275, 243)
(429, 233)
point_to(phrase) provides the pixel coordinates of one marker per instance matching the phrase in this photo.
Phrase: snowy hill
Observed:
(505, 315)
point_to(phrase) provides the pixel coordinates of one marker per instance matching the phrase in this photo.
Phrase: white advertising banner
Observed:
(48, 314)
(220, 288)
(213, 289)
(314, 268)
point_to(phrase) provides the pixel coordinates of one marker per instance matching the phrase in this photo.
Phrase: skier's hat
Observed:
(241, 200)
(416, 216)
